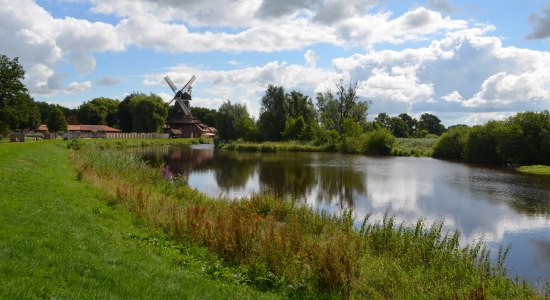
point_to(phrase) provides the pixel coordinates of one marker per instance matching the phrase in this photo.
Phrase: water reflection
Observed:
(499, 205)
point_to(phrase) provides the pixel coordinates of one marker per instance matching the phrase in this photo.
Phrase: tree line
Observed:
(522, 139)
(338, 121)
(137, 112)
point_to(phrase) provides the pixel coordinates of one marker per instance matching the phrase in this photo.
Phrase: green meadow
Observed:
(61, 239)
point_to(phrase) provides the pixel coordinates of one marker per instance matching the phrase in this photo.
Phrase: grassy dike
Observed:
(278, 245)
(62, 238)
(535, 169)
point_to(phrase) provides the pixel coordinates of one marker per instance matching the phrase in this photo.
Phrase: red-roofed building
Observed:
(83, 131)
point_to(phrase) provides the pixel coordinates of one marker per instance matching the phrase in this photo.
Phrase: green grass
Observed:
(414, 147)
(536, 169)
(63, 238)
(291, 146)
(279, 245)
(419, 147)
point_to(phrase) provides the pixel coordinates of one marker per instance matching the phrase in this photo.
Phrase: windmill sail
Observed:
(170, 83)
(188, 84)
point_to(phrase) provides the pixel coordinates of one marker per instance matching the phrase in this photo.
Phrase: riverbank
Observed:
(64, 238)
(419, 147)
(280, 245)
(536, 169)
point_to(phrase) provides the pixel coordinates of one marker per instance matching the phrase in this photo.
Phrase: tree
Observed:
(273, 113)
(334, 110)
(301, 122)
(15, 102)
(124, 112)
(411, 123)
(148, 113)
(431, 123)
(451, 144)
(101, 111)
(398, 127)
(525, 138)
(205, 115)
(234, 122)
(57, 121)
(34, 117)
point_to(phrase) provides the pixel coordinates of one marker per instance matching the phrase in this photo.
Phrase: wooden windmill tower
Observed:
(182, 123)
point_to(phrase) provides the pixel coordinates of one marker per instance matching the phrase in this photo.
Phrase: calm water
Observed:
(500, 206)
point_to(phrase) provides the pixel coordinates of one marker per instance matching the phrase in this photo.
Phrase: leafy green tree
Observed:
(273, 114)
(57, 121)
(481, 143)
(34, 117)
(398, 127)
(451, 144)
(383, 119)
(15, 102)
(431, 123)
(148, 113)
(124, 112)
(101, 111)
(411, 123)
(526, 138)
(205, 115)
(301, 122)
(335, 109)
(234, 122)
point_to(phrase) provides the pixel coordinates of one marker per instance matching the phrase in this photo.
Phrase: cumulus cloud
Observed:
(78, 86)
(311, 58)
(541, 25)
(464, 73)
(247, 85)
(442, 5)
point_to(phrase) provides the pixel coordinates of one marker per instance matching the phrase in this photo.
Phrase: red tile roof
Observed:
(103, 128)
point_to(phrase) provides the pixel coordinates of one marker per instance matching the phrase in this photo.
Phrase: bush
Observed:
(525, 139)
(481, 144)
(378, 142)
(451, 144)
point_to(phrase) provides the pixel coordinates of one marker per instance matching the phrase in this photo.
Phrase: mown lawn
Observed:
(59, 238)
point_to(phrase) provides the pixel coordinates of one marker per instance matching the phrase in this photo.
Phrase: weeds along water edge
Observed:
(285, 245)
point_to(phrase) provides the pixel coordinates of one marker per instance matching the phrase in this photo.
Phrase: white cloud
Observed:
(453, 97)
(247, 85)
(78, 86)
(311, 58)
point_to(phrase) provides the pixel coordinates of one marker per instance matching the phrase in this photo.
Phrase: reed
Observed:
(284, 245)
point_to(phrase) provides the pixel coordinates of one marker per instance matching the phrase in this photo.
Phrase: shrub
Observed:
(451, 144)
(481, 143)
(378, 142)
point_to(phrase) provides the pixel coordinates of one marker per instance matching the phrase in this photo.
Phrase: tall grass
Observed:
(266, 147)
(419, 147)
(288, 246)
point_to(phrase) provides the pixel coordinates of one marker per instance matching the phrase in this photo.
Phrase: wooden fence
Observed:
(121, 135)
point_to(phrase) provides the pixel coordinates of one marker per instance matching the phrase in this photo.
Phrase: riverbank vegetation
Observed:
(63, 238)
(523, 139)
(280, 245)
(336, 123)
(535, 169)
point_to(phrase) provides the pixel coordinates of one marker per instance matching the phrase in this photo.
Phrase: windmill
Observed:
(183, 96)
(182, 123)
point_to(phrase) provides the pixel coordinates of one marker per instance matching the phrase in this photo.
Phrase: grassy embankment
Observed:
(280, 245)
(536, 169)
(64, 238)
(402, 147)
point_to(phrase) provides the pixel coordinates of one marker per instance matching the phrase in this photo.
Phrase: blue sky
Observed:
(465, 61)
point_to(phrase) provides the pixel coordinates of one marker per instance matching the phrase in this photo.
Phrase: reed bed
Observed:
(270, 147)
(283, 245)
